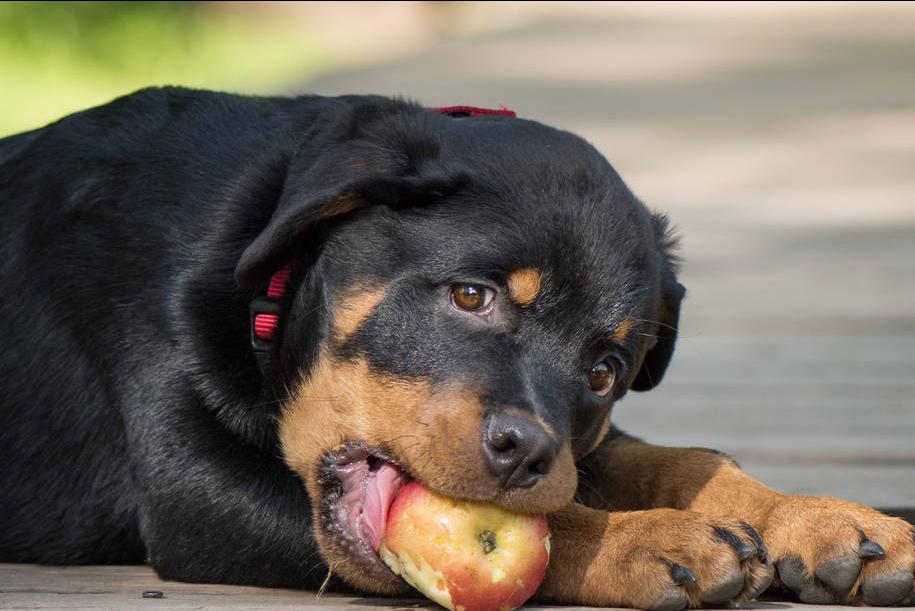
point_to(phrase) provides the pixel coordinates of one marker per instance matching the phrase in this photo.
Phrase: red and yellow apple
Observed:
(465, 556)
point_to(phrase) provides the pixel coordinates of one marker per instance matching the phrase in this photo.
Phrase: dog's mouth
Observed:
(359, 486)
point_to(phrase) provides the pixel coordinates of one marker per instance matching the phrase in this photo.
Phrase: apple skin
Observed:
(465, 556)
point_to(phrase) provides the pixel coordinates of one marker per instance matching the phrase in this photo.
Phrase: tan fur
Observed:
(635, 474)
(524, 285)
(821, 528)
(619, 559)
(435, 433)
(622, 331)
(340, 205)
(604, 429)
(546, 426)
(354, 308)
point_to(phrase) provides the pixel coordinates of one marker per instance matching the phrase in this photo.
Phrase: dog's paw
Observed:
(829, 551)
(667, 560)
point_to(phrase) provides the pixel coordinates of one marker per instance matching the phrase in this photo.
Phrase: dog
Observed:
(230, 320)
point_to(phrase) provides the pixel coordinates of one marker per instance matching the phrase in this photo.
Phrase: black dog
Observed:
(454, 298)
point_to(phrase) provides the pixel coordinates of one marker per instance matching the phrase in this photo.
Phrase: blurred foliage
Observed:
(59, 57)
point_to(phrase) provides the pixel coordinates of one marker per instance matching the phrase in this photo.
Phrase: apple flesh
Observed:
(465, 556)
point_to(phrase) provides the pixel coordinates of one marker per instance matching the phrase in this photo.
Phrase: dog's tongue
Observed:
(380, 491)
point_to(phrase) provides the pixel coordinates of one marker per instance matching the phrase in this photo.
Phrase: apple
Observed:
(465, 556)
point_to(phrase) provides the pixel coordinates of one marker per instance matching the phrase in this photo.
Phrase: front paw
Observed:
(829, 551)
(663, 560)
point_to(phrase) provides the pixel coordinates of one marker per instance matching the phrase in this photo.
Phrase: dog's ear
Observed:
(381, 154)
(668, 316)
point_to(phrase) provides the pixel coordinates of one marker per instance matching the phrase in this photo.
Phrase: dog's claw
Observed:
(740, 547)
(682, 575)
(871, 549)
(745, 551)
(762, 553)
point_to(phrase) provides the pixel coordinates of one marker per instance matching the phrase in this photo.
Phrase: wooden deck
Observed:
(782, 143)
(129, 588)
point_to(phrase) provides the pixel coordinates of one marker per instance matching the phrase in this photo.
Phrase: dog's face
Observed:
(474, 294)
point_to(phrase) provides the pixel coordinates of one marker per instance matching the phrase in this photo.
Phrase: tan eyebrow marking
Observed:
(622, 331)
(357, 305)
(524, 285)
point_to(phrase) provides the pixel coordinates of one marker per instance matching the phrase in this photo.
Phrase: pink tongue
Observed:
(379, 494)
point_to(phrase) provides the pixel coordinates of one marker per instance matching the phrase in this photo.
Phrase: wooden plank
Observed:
(116, 588)
(122, 587)
(829, 414)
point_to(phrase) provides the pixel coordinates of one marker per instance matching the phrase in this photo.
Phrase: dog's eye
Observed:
(471, 297)
(601, 378)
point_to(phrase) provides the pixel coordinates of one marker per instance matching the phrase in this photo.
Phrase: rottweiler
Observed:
(231, 322)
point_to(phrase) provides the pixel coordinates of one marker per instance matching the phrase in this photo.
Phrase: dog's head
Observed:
(471, 297)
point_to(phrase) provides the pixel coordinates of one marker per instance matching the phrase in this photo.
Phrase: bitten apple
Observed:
(465, 556)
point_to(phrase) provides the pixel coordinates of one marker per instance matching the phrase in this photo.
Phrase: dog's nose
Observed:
(518, 451)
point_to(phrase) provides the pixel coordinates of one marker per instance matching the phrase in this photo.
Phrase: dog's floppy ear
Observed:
(668, 316)
(371, 158)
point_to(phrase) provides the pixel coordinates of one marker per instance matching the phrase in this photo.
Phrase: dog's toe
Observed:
(840, 573)
(887, 588)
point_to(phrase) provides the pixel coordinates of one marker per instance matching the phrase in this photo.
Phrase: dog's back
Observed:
(63, 445)
(103, 213)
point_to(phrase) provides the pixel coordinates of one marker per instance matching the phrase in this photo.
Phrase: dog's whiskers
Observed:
(323, 588)
(656, 322)
(584, 482)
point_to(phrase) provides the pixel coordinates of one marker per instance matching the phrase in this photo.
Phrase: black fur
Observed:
(134, 423)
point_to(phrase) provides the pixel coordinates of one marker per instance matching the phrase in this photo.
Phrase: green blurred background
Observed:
(59, 57)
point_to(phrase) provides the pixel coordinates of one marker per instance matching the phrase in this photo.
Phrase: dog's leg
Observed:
(661, 559)
(213, 508)
(826, 550)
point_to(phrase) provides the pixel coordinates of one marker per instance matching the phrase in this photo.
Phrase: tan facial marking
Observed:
(604, 429)
(339, 205)
(547, 427)
(524, 285)
(434, 431)
(622, 331)
(353, 309)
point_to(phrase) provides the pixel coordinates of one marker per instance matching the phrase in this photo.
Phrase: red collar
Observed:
(266, 317)
(265, 310)
(473, 111)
